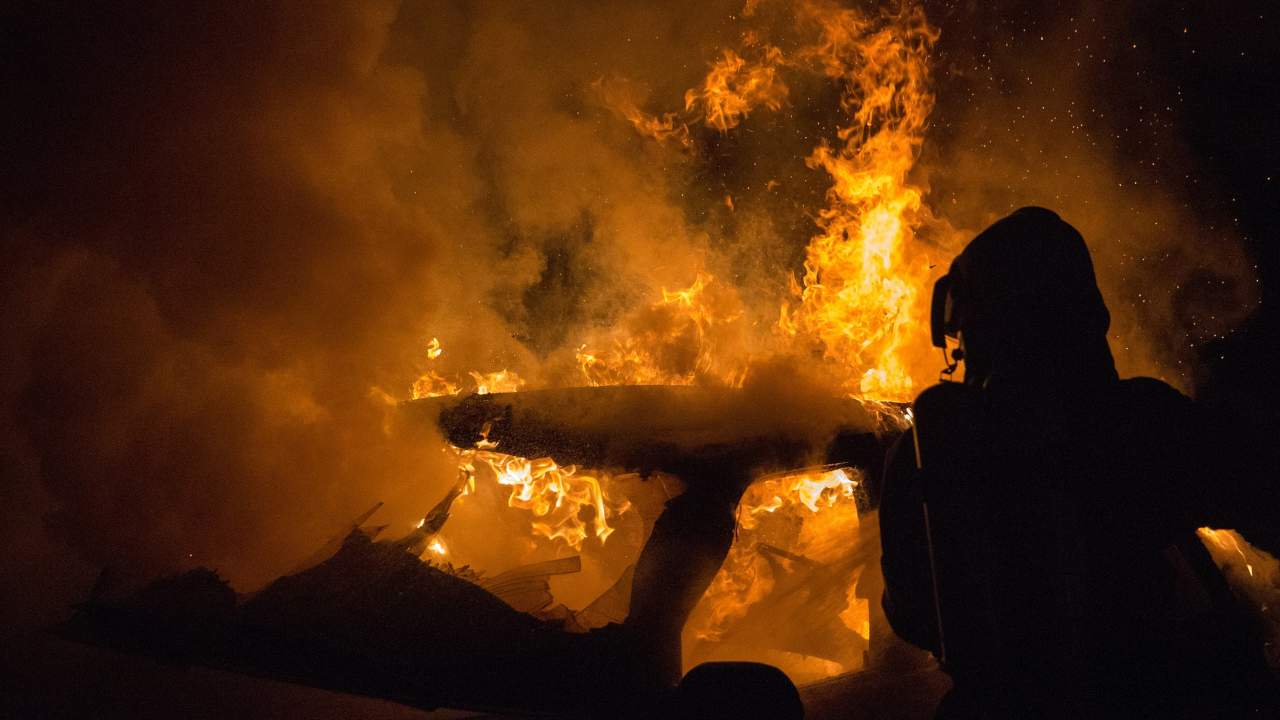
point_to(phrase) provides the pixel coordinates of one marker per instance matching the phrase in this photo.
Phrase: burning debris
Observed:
(396, 618)
(800, 548)
(377, 619)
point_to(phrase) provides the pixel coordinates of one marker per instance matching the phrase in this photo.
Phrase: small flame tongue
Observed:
(556, 496)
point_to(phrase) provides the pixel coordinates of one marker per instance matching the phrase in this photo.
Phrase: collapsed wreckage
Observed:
(373, 617)
(388, 619)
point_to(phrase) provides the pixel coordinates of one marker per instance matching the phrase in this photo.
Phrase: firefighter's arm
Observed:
(908, 596)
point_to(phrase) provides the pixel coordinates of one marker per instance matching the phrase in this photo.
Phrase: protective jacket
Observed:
(1039, 522)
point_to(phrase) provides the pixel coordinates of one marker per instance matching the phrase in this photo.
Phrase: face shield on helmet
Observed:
(944, 321)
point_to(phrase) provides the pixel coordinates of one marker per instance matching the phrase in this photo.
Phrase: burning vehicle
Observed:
(692, 374)
(675, 494)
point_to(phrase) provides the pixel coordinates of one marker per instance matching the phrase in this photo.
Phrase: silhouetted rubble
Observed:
(376, 620)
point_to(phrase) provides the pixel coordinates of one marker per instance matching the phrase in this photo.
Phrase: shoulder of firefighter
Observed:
(1062, 542)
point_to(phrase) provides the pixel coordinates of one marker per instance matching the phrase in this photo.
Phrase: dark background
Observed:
(1186, 88)
(1222, 68)
(1235, 93)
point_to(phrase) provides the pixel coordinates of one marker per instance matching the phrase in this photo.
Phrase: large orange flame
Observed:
(859, 298)
(857, 305)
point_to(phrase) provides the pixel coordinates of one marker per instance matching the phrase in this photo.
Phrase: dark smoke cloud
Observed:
(211, 263)
(230, 232)
(198, 244)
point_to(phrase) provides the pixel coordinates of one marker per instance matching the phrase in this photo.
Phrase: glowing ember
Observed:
(734, 87)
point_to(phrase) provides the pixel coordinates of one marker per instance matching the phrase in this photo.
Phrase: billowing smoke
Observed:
(230, 234)
(215, 257)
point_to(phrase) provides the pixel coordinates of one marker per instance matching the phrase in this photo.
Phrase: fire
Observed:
(437, 547)
(734, 87)
(856, 309)
(796, 515)
(858, 301)
(431, 384)
(566, 504)
(667, 128)
(859, 296)
(814, 490)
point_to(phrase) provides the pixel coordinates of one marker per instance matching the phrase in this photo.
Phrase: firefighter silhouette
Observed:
(1039, 522)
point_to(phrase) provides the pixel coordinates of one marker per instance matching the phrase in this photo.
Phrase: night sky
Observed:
(1183, 91)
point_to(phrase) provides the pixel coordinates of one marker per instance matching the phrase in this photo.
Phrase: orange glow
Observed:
(1227, 542)
(860, 297)
(856, 312)
(1254, 577)
(823, 501)
(734, 87)
(675, 341)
